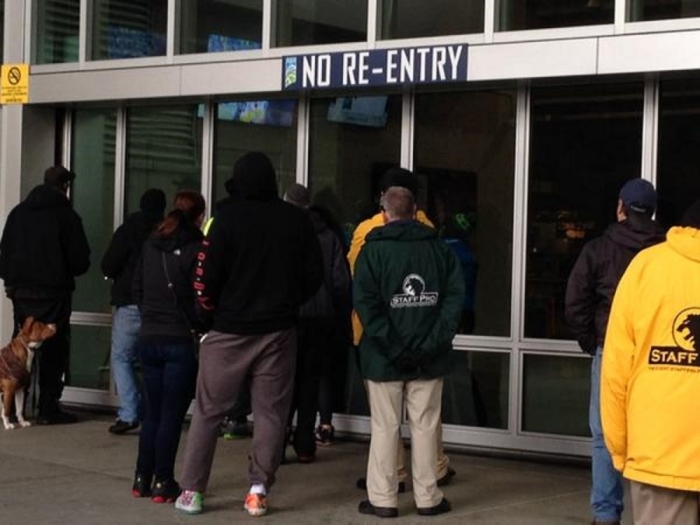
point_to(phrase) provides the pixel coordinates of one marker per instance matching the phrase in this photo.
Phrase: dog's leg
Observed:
(19, 408)
(8, 391)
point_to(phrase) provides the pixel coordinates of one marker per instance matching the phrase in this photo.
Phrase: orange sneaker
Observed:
(255, 504)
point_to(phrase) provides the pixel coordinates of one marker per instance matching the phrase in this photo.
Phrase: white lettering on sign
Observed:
(364, 67)
(407, 65)
(422, 54)
(439, 59)
(317, 71)
(455, 54)
(349, 65)
(324, 75)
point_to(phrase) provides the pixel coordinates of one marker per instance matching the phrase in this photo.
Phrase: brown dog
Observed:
(16, 365)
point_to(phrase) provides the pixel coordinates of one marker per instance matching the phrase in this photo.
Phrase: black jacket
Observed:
(124, 251)
(596, 274)
(260, 261)
(167, 311)
(336, 273)
(43, 246)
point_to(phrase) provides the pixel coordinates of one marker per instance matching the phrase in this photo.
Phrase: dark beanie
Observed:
(153, 201)
(57, 176)
(691, 217)
(253, 177)
(399, 177)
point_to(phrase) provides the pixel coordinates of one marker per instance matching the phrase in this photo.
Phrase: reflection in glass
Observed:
(475, 394)
(210, 26)
(129, 29)
(585, 142)
(353, 141)
(57, 28)
(420, 18)
(556, 393)
(677, 178)
(465, 158)
(89, 357)
(255, 125)
(541, 14)
(309, 22)
(641, 10)
(163, 150)
(93, 154)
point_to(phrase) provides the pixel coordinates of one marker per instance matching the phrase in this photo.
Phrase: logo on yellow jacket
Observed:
(686, 335)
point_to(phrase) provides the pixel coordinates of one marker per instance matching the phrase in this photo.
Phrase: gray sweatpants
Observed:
(225, 362)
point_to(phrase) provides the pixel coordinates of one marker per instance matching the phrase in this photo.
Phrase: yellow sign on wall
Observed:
(14, 88)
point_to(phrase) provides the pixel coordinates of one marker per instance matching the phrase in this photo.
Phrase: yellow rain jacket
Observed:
(650, 384)
(358, 241)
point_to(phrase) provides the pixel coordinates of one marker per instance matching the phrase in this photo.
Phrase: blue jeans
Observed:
(606, 491)
(126, 324)
(169, 368)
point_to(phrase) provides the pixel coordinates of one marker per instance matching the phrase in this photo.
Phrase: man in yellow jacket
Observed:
(405, 179)
(650, 387)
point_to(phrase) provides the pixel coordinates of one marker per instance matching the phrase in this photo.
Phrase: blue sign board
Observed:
(380, 67)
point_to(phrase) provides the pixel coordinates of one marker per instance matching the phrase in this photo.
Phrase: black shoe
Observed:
(361, 484)
(142, 486)
(121, 427)
(445, 480)
(165, 491)
(56, 418)
(440, 508)
(365, 507)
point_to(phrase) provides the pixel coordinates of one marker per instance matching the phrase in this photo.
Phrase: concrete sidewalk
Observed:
(81, 475)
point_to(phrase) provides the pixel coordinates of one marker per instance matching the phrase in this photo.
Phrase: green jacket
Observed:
(408, 291)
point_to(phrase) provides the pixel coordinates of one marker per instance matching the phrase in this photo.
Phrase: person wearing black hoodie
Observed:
(162, 289)
(589, 294)
(118, 264)
(43, 249)
(260, 262)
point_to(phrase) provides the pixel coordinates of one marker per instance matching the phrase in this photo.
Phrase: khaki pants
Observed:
(653, 505)
(423, 400)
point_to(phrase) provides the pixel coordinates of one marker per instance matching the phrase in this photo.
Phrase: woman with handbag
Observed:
(167, 345)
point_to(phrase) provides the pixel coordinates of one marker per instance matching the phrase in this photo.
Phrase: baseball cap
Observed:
(298, 195)
(639, 195)
(57, 176)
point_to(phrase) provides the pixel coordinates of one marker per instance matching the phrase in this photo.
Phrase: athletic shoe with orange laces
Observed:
(255, 504)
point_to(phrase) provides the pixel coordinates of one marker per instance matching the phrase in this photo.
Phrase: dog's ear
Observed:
(28, 322)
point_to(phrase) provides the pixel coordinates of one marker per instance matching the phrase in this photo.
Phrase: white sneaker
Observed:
(190, 502)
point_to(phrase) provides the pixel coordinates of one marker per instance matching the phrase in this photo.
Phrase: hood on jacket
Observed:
(182, 236)
(635, 235)
(317, 221)
(45, 197)
(402, 231)
(253, 178)
(685, 241)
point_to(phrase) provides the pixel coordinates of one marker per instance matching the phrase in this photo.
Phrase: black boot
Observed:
(165, 491)
(142, 485)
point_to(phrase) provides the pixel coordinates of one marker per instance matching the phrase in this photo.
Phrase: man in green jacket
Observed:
(408, 292)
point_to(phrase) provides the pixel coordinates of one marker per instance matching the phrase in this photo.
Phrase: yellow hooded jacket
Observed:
(358, 241)
(650, 383)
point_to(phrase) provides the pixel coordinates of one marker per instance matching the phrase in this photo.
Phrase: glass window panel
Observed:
(556, 392)
(57, 28)
(465, 156)
(308, 22)
(642, 10)
(89, 357)
(93, 198)
(475, 394)
(353, 141)
(585, 142)
(129, 29)
(541, 14)
(678, 183)
(163, 150)
(420, 18)
(269, 126)
(210, 26)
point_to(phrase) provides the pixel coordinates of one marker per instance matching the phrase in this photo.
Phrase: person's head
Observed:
(59, 178)
(399, 204)
(399, 177)
(253, 177)
(153, 202)
(637, 199)
(298, 195)
(691, 217)
(188, 207)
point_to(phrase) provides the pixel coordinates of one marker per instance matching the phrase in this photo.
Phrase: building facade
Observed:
(520, 153)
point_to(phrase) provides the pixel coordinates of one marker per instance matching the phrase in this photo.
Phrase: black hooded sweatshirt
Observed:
(261, 259)
(43, 246)
(596, 274)
(124, 251)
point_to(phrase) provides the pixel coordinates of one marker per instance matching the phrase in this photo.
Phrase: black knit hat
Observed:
(253, 177)
(399, 177)
(57, 176)
(153, 201)
(691, 217)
